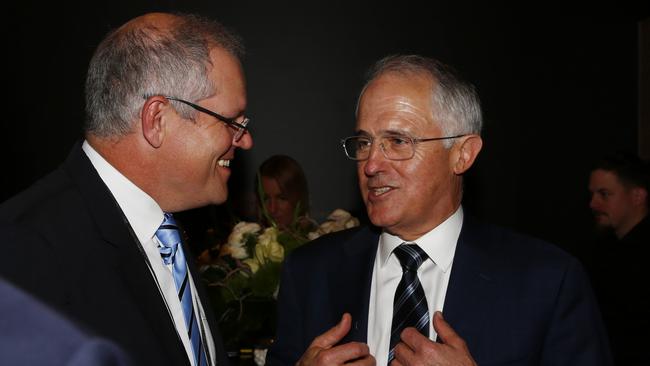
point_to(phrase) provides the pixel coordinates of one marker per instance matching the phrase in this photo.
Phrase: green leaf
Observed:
(290, 241)
(265, 281)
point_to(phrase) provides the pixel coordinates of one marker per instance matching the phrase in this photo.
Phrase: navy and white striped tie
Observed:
(410, 307)
(172, 253)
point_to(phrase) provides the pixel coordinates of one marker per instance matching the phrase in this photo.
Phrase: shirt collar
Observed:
(439, 243)
(142, 212)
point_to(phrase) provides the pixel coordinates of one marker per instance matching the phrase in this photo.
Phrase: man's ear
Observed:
(464, 152)
(151, 116)
(639, 195)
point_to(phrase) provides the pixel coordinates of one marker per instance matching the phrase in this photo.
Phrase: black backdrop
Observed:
(557, 91)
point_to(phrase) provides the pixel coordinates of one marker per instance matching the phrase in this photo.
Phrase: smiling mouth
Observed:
(380, 190)
(224, 163)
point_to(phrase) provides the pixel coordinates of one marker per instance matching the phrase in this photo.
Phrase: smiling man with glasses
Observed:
(376, 295)
(98, 238)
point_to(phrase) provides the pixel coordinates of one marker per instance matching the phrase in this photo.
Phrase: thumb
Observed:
(335, 334)
(446, 333)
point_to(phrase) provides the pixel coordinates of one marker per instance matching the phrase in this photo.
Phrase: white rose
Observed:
(338, 220)
(352, 222)
(242, 228)
(339, 215)
(238, 252)
(276, 252)
(329, 227)
(269, 235)
(236, 245)
(268, 248)
(235, 250)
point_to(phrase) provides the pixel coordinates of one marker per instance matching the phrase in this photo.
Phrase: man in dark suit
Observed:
(165, 102)
(377, 294)
(33, 334)
(616, 259)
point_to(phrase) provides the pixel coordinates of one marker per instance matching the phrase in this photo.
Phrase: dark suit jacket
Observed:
(33, 334)
(513, 299)
(72, 247)
(619, 272)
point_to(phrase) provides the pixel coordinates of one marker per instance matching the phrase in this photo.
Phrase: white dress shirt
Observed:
(440, 246)
(145, 216)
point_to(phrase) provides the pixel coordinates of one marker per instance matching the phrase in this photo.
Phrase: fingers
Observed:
(416, 349)
(323, 351)
(335, 334)
(413, 339)
(404, 355)
(364, 361)
(444, 330)
(412, 343)
(446, 333)
(350, 353)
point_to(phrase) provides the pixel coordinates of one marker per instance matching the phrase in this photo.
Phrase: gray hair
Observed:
(133, 63)
(457, 108)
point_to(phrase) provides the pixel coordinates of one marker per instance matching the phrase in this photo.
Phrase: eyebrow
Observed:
(384, 133)
(361, 133)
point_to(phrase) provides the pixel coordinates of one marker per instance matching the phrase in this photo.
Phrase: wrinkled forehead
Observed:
(396, 101)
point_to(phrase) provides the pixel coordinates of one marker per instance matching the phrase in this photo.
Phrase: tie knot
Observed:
(169, 220)
(169, 238)
(410, 256)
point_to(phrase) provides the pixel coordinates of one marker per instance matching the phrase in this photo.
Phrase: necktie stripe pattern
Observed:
(410, 308)
(172, 253)
(181, 292)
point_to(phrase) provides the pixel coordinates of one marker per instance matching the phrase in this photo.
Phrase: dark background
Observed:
(558, 90)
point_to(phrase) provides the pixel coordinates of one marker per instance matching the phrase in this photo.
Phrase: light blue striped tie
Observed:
(172, 253)
(410, 307)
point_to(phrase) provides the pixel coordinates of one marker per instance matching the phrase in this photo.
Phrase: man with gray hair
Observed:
(165, 103)
(376, 295)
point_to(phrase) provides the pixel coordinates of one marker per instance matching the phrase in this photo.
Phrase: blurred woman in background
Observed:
(285, 195)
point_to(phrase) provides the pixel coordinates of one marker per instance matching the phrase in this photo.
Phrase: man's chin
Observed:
(212, 199)
(603, 228)
(381, 219)
(220, 195)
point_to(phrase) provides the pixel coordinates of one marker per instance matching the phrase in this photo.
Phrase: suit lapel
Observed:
(471, 282)
(114, 229)
(354, 278)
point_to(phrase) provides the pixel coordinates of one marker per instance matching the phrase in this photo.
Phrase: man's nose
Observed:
(594, 202)
(245, 142)
(375, 161)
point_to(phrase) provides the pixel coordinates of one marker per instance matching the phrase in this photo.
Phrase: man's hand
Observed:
(323, 352)
(416, 349)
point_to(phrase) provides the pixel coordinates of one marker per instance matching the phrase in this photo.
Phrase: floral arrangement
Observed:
(244, 279)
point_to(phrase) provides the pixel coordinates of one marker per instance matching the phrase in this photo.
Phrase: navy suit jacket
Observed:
(33, 334)
(72, 247)
(515, 300)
